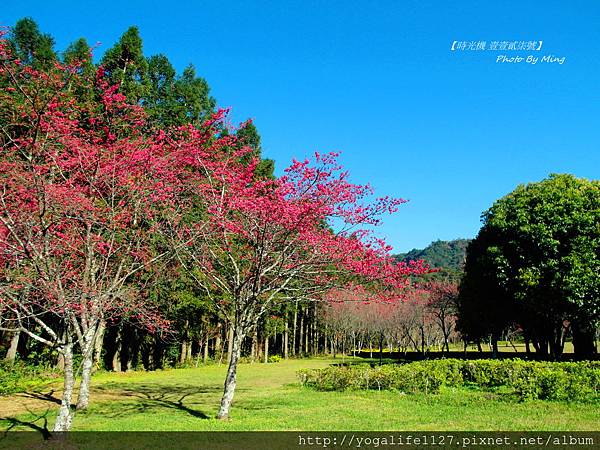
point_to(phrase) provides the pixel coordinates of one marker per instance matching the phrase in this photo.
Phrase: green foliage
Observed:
(192, 95)
(448, 257)
(446, 254)
(558, 381)
(409, 378)
(79, 52)
(30, 45)
(19, 376)
(535, 262)
(173, 101)
(528, 380)
(126, 65)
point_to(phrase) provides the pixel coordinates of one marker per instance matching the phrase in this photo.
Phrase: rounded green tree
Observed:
(536, 262)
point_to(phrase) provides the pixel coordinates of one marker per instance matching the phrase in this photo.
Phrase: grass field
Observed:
(269, 397)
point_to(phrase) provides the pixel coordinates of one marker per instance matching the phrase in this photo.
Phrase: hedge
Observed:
(565, 381)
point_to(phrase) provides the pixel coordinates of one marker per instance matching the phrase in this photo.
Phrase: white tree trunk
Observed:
(218, 352)
(116, 362)
(295, 330)
(230, 334)
(64, 418)
(231, 378)
(266, 349)
(87, 365)
(11, 354)
(286, 340)
(98, 344)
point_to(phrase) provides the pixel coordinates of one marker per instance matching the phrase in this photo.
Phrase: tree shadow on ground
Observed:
(14, 422)
(49, 397)
(153, 397)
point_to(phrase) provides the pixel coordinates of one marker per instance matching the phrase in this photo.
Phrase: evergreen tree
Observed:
(79, 51)
(192, 94)
(30, 45)
(126, 65)
(248, 135)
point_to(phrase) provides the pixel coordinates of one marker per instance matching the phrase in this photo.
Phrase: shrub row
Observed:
(414, 378)
(567, 381)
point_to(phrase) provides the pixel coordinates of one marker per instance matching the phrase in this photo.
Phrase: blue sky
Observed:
(450, 131)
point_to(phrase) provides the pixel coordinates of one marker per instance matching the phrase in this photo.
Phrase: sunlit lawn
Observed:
(270, 398)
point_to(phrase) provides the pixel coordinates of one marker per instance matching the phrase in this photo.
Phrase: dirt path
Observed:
(47, 399)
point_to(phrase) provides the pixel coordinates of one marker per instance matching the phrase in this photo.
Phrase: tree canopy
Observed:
(539, 251)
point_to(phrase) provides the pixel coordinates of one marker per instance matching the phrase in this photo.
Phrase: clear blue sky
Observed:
(451, 131)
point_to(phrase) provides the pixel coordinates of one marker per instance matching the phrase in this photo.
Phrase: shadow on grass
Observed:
(14, 422)
(151, 397)
(49, 397)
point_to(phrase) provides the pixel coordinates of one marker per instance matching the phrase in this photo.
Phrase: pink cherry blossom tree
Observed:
(80, 193)
(263, 241)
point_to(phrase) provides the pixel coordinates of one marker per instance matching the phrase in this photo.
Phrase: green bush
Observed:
(415, 379)
(568, 381)
(20, 377)
(451, 370)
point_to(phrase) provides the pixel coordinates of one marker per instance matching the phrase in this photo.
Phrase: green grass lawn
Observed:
(269, 397)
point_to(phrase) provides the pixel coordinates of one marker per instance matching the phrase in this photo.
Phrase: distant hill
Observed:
(448, 255)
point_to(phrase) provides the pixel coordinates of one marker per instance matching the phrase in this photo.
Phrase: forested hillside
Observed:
(441, 254)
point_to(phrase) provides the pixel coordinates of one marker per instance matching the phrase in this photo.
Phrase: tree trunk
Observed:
(446, 333)
(307, 335)
(116, 360)
(266, 357)
(286, 340)
(229, 342)
(205, 356)
(98, 344)
(64, 418)
(541, 347)
(315, 345)
(301, 331)
(11, 354)
(230, 379)
(218, 343)
(87, 364)
(295, 330)
(60, 361)
(494, 346)
(584, 340)
(254, 346)
(183, 352)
